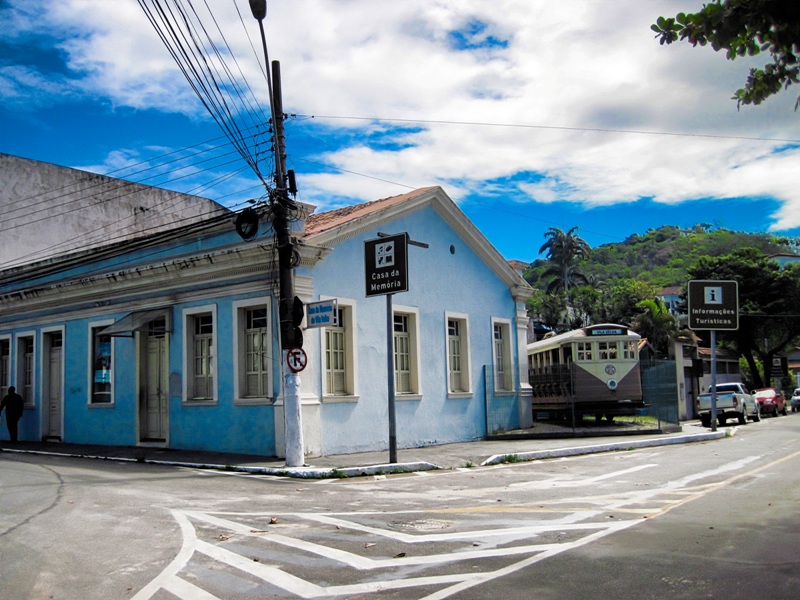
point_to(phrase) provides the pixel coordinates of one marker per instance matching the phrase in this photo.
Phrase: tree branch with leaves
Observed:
(745, 28)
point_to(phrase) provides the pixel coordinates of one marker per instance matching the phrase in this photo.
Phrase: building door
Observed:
(154, 413)
(52, 385)
(688, 385)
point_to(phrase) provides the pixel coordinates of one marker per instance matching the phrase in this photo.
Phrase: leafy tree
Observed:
(768, 301)
(745, 27)
(624, 299)
(564, 249)
(588, 304)
(665, 262)
(657, 324)
(548, 309)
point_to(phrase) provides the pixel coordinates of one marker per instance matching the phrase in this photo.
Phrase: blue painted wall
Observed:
(439, 281)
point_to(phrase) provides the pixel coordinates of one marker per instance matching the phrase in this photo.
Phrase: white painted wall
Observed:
(440, 281)
(49, 210)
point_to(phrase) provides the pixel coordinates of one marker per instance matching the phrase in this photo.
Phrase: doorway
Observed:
(52, 393)
(154, 383)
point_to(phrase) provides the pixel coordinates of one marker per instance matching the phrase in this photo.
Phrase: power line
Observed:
(551, 127)
(190, 45)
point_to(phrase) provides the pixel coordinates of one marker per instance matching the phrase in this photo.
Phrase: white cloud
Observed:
(28, 88)
(566, 68)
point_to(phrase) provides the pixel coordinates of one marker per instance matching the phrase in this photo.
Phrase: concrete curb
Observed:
(312, 472)
(614, 447)
(306, 472)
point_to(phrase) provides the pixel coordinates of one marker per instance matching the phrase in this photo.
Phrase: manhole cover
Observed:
(421, 524)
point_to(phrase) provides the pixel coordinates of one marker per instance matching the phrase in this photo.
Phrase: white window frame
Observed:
(507, 385)
(19, 366)
(187, 324)
(584, 352)
(240, 308)
(607, 350)
(90, 367)
(466, 355)
(348, 309)
(629, 350)
(415, 389)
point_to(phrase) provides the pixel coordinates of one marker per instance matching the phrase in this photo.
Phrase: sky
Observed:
(529, 114)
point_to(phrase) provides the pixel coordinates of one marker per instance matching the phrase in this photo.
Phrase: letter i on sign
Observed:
(713, 295)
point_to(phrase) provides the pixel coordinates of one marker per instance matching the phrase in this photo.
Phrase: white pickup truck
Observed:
(733, 400)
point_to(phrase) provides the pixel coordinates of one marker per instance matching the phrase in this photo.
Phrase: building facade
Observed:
(170, 338)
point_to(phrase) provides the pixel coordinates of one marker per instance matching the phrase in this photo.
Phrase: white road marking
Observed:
(183, 589)
(574, 523)
(178, 563)
(567, 482)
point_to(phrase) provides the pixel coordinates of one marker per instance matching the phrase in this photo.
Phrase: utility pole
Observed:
(290, 335)
(293, 417)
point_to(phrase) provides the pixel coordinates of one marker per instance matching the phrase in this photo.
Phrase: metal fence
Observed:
(660, 391)
(659, 414)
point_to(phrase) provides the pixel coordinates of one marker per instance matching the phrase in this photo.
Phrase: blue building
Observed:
(170, 339)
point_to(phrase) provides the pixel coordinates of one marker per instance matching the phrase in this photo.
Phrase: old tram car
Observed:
(589, 371)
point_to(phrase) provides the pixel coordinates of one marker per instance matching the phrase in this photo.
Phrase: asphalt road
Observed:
(717, 519)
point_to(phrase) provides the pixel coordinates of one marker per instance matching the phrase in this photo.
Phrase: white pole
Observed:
(713, 380)
(292, 417)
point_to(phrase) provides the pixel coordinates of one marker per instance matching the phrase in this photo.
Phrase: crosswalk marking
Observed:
(545, 530)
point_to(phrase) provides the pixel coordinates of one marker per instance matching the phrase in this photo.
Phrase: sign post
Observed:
(386, 273)
(713, 306)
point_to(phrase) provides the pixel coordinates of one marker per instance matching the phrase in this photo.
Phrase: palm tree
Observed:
(564, 249)
(656, 323)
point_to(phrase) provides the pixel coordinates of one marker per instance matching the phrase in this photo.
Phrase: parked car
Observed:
(771, 401)
(733, 401)
(796, 400)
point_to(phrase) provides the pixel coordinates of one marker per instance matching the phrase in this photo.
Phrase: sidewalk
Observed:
(446, 456)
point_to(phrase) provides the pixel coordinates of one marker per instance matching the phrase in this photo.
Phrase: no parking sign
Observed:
(296, 359)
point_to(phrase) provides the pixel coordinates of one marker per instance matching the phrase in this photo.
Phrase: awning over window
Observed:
(137, 321)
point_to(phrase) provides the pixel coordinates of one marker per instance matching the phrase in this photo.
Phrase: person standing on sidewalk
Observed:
(13, 403)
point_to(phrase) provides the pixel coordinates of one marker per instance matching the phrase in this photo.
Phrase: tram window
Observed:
(584, 351)
(567, 354)
(554, 357)
(607, 350)
(629, 350)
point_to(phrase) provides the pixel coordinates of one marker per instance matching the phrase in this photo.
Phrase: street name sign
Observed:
(713, 305)
(322, 314)
(386, 265)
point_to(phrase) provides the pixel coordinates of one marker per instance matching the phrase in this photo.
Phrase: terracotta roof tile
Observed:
(671, 290)
(317, 223)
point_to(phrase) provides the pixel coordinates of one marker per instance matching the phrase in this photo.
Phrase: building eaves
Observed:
(85, 256)
(319, 223)
(332, 227)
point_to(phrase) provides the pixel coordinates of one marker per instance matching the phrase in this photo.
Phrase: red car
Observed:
(770, 401)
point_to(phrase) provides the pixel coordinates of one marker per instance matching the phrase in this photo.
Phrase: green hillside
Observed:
(661, 257)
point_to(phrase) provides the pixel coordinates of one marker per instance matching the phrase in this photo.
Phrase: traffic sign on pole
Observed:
(296, 359)
(386, 265)
(713, 305)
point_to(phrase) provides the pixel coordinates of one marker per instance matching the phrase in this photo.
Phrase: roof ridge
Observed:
(318, 222)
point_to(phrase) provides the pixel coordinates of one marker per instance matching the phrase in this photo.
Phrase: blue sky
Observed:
(529, 114)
